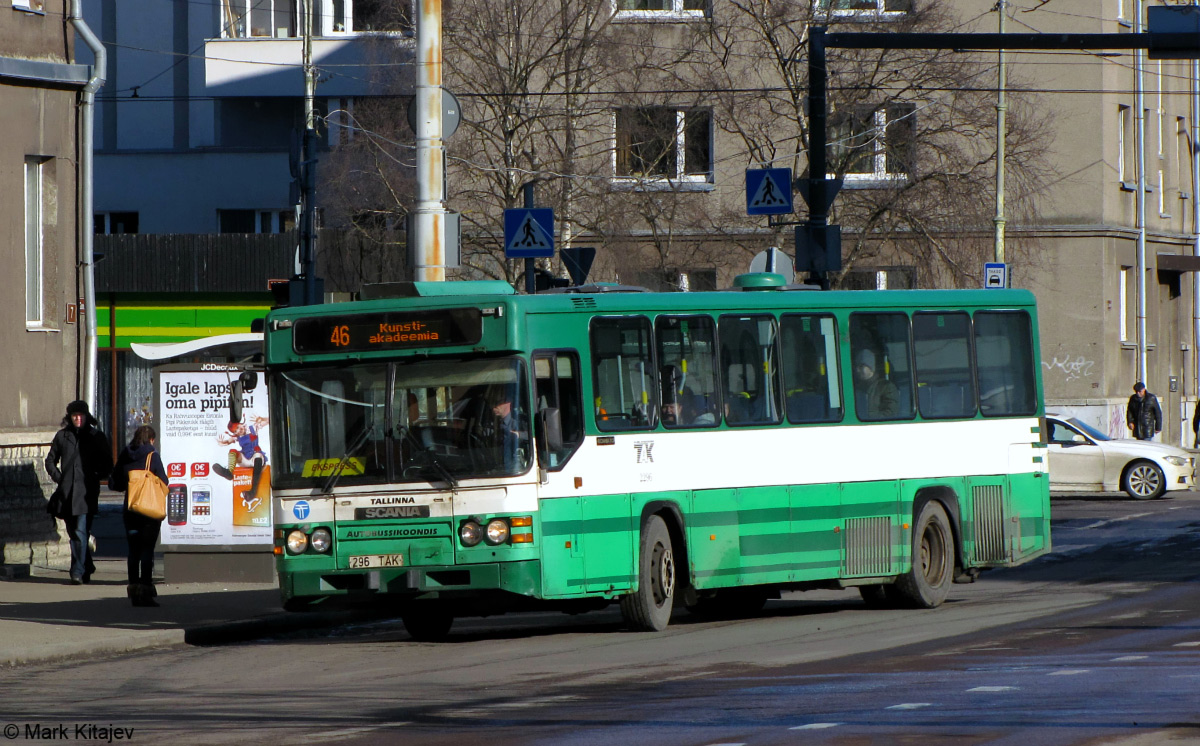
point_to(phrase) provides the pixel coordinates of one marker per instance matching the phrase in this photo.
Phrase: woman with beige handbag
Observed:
(137, 463)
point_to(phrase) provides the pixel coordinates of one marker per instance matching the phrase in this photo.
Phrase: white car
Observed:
(1083, 459)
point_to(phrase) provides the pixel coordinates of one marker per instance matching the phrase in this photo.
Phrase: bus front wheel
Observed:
(927, 584)
(649, 608)
(427, 622)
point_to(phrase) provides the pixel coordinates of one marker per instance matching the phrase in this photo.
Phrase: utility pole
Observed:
(1001, 135)
(429, 212)
(1139, 105)
(308, 170)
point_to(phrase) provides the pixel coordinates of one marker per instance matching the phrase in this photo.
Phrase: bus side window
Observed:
(811, 382)
(880, 356)
(625, 384)
(556, 381)
(687, 371)
(750, 368)
(1004, 363)
(945, 386)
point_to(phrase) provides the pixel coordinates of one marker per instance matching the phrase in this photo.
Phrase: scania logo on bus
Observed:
(399, 511)
(300, 510)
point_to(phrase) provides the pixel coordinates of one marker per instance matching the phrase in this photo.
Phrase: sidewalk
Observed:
(43, 618)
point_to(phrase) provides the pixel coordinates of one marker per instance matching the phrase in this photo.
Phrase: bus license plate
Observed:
(376, 560)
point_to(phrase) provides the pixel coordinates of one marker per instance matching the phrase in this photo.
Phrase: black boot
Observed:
(148, 595)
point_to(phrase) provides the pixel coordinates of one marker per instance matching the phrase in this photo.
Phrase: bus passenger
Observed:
(875, 397)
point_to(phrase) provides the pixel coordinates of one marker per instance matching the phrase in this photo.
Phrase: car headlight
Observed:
(1175, 460)
(297, 542)
(321, 540)
(497, 531)
(470, 534)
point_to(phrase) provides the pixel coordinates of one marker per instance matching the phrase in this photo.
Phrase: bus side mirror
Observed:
(550, 425)
(235, 401)
(248, 379)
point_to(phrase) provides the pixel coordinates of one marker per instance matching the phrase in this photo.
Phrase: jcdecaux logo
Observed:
(300, 510)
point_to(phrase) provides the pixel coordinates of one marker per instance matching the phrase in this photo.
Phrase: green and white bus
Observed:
(464, 450)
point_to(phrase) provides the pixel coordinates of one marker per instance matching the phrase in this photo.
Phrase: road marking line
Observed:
(1098, 524)
(1069, 672)
(338, 735)
(1131, 658)
(910, 706)
(1186, 645)
(815, 726)
(993, 689)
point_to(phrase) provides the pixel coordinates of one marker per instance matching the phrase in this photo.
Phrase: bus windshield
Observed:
(437, 421)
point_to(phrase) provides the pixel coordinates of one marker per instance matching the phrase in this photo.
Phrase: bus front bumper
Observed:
(520, 577)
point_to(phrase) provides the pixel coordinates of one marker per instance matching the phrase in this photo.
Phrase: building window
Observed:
(1123, 300)
(115, 222)
(873, 144)
(862, 7)
(658, 143)
(250, 19)
(660, 9)
(37, 6)
(34, 228)
(1123, 143)
(255, 221)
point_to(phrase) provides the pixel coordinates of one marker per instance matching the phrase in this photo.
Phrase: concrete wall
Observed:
(28, 535)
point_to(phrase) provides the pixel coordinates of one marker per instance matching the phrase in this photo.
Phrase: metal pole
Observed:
(1001, 134)
(308, 207)
(530, 280)
(429, 213)
(1139, 57)
(1195, 158)
(818, 206)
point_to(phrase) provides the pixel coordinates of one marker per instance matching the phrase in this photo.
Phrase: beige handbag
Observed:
(147, 493)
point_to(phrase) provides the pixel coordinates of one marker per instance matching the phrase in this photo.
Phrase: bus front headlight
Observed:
(321, 540)
(497, 531)
(470, 533)
(297, 542)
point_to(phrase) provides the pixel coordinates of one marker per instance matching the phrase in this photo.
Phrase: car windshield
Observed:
(424, 421)
(1090, 431)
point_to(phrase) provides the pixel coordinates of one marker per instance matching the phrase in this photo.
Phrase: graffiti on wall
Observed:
(1072, 369)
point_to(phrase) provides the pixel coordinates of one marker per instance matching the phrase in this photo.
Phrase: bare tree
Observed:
(912, 132)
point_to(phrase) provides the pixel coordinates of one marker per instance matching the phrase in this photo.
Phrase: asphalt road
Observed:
(1097, 643)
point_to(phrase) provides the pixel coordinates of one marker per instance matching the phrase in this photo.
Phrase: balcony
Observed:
(348, 65)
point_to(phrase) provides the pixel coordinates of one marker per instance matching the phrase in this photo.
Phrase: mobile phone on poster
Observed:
(177, 504)
(201, 512)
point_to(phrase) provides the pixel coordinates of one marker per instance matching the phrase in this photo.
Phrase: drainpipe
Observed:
(1139, 99)
(84, 230)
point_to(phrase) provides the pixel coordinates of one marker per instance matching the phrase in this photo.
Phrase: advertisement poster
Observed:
(219, 471)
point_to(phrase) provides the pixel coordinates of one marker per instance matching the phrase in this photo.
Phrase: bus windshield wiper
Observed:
(438, 466)
(353, 449)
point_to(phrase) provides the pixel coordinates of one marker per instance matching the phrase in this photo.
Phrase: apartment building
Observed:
(666, 112)
(40, 330)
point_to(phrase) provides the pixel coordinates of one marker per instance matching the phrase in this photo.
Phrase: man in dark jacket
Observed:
(1143, 415)
(79, 458)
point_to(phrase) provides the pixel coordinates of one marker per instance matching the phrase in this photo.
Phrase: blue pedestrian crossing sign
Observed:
(529, 233)
(768, 191)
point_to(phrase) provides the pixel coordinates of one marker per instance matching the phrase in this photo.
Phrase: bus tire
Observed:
(427, 622)
(649, 608)
(927, 584)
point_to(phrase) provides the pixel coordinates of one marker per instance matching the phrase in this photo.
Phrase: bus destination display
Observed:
(388, 330)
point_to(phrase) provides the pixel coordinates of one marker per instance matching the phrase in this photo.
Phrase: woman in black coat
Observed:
(79, 458)
(141, 531)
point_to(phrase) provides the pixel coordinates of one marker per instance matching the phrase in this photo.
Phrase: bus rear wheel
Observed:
(649, 607)
(927, 584)
(427, 622)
